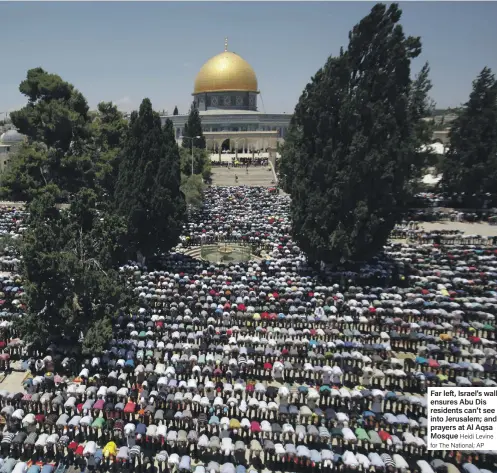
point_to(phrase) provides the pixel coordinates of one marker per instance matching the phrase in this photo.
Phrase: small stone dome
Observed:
(12, 137)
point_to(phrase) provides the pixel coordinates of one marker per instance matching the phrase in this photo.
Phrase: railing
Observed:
(448, 238)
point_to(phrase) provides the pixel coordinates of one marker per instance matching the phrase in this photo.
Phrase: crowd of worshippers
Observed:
(444, 215)
(241, 162)
(417, 234)
(250, 215)
(479, 203)
(11, 226)
(268, 365)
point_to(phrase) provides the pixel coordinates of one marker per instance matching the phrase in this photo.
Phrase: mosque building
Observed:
(226, 92)
(10, 141)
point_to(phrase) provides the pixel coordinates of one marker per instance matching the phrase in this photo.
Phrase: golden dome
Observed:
(224, 73)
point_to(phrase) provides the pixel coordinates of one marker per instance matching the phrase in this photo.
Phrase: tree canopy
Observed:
(68, 254)
(192, 188)
(56, 115)
(26, 174)
(70, 293)
(201, 162)
(68, 146)
(175, 112)
(108, 130)
(353, 142)
(148, 192)
(193, 128)
(470, 164)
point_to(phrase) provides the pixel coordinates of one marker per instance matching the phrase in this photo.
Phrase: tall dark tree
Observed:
(353, 142)
(470, 164)
(175, 112)
(420, 107)
(108, 130)
(56, 113)
(68, 254)
(201, 162)
(193, 188)
(69, 292)
(57, 123)
(148, 188)
(27, 173)
(193, 128)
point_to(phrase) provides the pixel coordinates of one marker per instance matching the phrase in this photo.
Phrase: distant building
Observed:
(9, 142)
(442, 119)
(225, 92)
(4, 156)
(441, 136)
(436, 148)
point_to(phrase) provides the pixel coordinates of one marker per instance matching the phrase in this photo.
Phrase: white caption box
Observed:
(462, 419)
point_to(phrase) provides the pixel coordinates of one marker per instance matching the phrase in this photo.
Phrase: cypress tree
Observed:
(175, 112)
(470, 164)
(193, 127)
(353, 140)
(168, 202)
(148, 188)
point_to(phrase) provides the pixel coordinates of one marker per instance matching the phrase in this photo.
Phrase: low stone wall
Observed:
(6, 204)
(22, 205)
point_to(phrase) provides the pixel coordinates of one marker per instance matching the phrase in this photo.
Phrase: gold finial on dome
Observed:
(225, 44)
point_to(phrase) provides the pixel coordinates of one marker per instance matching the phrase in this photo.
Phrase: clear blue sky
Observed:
(127, 51)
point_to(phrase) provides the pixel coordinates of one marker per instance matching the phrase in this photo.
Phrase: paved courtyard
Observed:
(13, 382)
(263, 176)
(470, 228)
(257, 176)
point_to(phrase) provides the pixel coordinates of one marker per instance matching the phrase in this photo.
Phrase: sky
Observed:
(126, 51)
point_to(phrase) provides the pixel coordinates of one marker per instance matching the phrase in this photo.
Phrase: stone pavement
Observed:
(13, 382)
(257, 176)
(480, 228)
(8, 203)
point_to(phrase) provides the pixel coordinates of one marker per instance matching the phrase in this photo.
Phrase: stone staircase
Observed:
(195, 252)
(257, 176)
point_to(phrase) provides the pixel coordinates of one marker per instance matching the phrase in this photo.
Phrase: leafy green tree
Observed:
(56, 113)
(108, 130)
(175, 112)
(98, 336)
(192, 187)
(420, 106)
(68, 290)
(193, 128)
(201, 162)
(353, 142)
(470, 165)
(148, 187)
(68, 146)
(57, 124)
(10, 242)
(26, 174)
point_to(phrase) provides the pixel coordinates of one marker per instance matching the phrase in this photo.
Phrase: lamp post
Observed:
(191, 138)
(236, 147)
